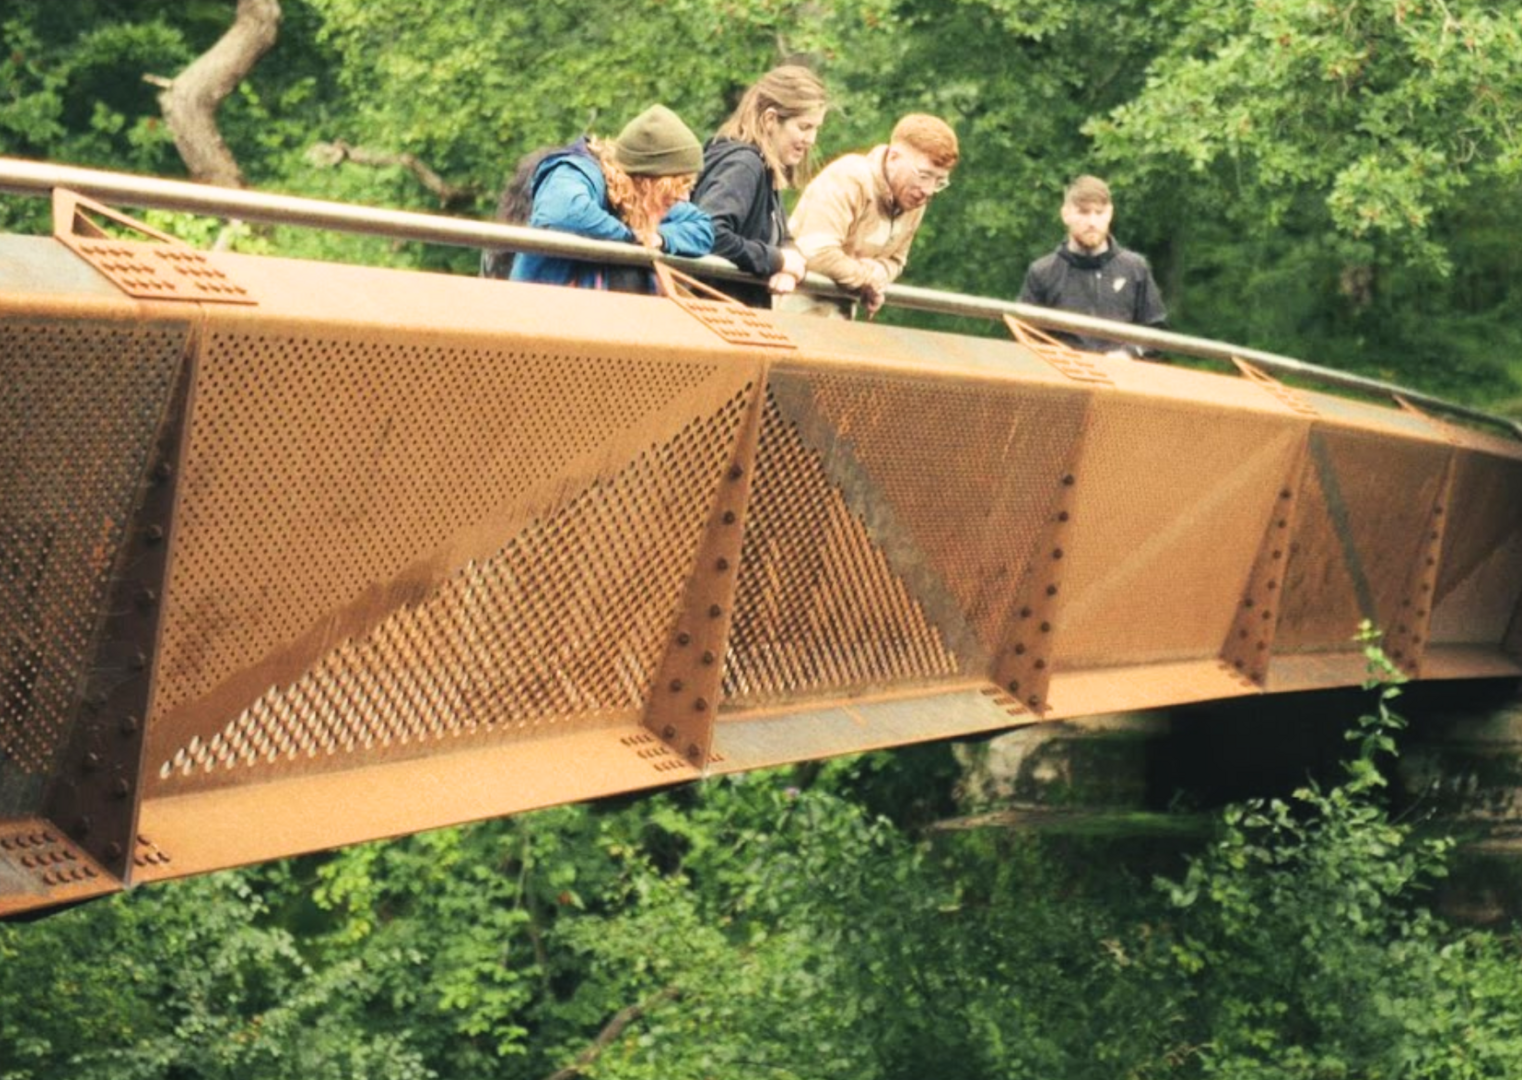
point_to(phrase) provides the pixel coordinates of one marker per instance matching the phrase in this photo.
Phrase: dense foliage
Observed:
(775, 925)
(1333, 179)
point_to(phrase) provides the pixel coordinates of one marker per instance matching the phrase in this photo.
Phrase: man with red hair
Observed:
(854, 223)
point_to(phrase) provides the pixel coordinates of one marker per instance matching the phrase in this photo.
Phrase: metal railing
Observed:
(39, 178)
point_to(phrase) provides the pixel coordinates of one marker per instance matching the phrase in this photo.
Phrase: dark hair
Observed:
(513, 208)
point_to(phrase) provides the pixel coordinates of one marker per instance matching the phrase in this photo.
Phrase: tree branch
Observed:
(191, 100)
(610, 1033)
(330, 154)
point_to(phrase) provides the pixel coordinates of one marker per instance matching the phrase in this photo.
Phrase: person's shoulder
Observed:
(852, 167)
(850, 175)
(732, 152)
(1132, 260)
(1045, 264)
(581, 163)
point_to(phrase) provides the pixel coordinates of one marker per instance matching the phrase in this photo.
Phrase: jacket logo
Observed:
(1120, 283)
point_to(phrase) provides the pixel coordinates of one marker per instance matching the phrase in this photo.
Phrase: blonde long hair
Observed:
(633, 199)
(790, 90)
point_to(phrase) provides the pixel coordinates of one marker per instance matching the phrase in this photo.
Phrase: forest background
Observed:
(1336, 180)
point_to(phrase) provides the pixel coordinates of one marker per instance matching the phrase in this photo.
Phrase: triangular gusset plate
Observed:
(157, 267)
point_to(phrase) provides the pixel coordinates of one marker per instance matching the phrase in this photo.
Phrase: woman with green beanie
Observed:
(632, 189)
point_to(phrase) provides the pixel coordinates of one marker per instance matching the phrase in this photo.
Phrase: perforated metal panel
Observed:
(332, 479)
(818, 606)
(562, 626)
(80, 403)
(1364, 512)
(1168, 511)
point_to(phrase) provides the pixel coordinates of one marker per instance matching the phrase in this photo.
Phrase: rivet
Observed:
(1283, 524)
(714, 611)
(162, 471)
(1262, 645)
(146, 598)
(1046, 628)
(1284, 494)
(113, 850)
(1239, 664)
(1025, 613)
(1242, 634)
(684, 638)
(708, 657)
(1437, 511)
(1019, 650)
(130, 725)
(1040, 665)
(1033, 701)
(92, 761)
(1067, 481)
(1278, 554)
(722, 563)
(1063, 516)
(1272, 585)
(1014, 686)
(1051, 590)
(736, 471)
(153, 534)
(693, 751)
(1431, 561)
(137, 661)
(668, 732)
(1056, 553)
(700, 705)
(121, 788)
(729, 517)
(1247, 603)
(676, 686)
(1267, 614)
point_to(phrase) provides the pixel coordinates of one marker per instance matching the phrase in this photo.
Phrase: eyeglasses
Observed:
(933, 182)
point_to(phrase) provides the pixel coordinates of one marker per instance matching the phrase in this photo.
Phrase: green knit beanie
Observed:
(657, 143)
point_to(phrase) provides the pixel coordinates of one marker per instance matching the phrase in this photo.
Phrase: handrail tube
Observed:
(18, 176)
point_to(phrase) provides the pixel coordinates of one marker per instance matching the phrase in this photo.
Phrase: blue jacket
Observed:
(571, 195)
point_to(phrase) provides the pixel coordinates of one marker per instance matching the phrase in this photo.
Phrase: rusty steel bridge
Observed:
(294, 555)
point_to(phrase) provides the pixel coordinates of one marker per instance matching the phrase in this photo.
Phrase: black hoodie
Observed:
(736, 190)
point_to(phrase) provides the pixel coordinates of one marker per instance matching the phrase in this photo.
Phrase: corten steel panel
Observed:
(81, 400)
(1170, 501)
(1365, 510)
(878, 552)
(1481, 576)
(442, 549)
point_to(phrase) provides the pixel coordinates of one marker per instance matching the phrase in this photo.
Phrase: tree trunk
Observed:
(190, 102)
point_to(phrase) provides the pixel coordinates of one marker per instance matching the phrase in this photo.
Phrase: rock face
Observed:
(1096, 762)
(1467, 769)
